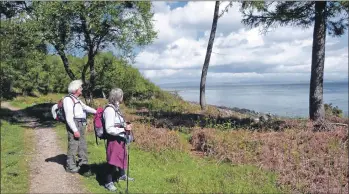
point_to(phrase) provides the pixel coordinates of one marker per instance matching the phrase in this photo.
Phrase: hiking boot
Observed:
(124, 177)
(85, 170)
(72, 170)
(87, 174)
(110, 186)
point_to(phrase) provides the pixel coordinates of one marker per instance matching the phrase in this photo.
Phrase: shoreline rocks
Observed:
(254, 115)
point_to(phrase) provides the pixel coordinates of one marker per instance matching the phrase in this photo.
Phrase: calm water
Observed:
(281, 99)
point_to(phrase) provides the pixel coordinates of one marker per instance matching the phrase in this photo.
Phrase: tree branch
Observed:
(285, 13)
(340, 124)
(65, 61)
(225, 10)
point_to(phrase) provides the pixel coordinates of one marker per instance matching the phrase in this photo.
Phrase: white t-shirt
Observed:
(77, 112)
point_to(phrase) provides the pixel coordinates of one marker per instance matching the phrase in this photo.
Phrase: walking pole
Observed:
(128, 142)
(128, 167)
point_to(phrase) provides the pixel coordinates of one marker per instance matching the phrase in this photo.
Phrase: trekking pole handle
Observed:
(130, 132)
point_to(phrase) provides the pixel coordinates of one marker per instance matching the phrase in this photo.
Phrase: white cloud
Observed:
(159, 73)
(239, 54)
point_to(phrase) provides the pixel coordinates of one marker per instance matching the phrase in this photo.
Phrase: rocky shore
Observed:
(228, 111)
(254, 115)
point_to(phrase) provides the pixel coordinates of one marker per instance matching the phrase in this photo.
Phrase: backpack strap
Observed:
(74, 101)
(110, 105)
(103, 121)
(117, 111)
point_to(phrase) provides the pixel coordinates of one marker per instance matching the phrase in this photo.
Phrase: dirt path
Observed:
(47, 174)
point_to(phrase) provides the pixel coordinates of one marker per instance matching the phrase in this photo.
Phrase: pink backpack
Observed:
(98, 123)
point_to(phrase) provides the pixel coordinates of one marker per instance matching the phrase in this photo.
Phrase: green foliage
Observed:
(90, 27)
(52, 20)
(57, 78)
(295, 13)
(331, 110)
(162, 101)
(16, 143)
(93, 27)
(117, 73)
(21, 57)
(53, 78)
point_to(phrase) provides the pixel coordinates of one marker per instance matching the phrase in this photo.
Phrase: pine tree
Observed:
(326, 17)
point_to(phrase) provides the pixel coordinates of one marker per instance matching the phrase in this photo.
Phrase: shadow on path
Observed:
(35, 116)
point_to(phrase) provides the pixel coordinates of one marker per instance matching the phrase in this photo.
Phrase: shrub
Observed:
(157, 139)
(331, 110)
(306, 161)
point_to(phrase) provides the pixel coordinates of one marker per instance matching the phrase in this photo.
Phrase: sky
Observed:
(239, 54)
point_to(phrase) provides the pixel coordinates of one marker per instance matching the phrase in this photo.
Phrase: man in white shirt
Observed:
(75, 116)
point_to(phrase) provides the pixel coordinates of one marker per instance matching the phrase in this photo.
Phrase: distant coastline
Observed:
(280, 99)
(220, 84)
(248, 112)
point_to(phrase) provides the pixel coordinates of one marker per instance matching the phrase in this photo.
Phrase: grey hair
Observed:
(74, 85)
(115, 95)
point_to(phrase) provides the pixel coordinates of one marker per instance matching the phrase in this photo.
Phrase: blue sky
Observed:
(175, 4)
(240, 55)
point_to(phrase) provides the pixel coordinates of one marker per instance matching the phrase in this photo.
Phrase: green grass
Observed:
(16, 146)
(26, 101)
(176, 172)
(170, 172)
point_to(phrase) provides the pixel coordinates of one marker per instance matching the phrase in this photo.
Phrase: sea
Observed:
(289, 100)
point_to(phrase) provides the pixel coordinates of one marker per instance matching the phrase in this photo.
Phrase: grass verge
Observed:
(16, 148)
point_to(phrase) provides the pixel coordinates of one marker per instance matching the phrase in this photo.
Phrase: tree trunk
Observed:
(90, 61)
(316, 106)
(85, 84)
(83, 73)
(89, 85)
(208, 56)
(92, 77)
(65, 63)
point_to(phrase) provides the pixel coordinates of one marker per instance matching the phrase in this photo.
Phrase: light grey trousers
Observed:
(76, 146)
